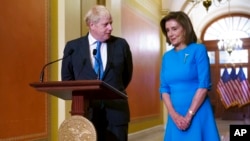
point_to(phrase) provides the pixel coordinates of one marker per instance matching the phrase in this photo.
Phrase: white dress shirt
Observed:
(103, 49)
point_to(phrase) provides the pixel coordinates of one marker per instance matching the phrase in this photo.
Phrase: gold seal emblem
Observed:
(77, 128)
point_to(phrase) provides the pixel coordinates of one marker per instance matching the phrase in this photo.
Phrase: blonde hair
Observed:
(96, 13)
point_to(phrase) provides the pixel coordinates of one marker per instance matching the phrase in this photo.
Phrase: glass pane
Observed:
(237, 56)
(220, 29)
(211, 55)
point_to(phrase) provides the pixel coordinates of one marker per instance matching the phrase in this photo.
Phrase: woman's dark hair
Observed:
(184, 21)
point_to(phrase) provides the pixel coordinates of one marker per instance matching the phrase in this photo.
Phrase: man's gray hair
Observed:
(95, 13)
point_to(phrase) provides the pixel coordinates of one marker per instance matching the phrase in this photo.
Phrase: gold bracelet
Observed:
(191, 112)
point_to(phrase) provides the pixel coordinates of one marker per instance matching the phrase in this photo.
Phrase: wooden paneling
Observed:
(23, 40)
(144, 40)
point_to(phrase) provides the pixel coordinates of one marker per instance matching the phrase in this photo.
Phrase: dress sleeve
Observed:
(164, 87)
(203, 67)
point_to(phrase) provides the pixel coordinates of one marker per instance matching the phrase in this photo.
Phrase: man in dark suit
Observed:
(110, 117)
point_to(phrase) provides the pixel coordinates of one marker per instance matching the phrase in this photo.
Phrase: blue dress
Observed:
(182, 73)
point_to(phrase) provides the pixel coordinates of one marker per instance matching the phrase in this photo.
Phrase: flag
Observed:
(221, 89)
(244, 85)
(226, 78)
(225, 90)
(241, 99)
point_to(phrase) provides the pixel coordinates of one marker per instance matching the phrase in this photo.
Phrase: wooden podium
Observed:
(79, 92)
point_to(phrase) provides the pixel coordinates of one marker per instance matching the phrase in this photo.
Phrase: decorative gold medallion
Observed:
(77, 128)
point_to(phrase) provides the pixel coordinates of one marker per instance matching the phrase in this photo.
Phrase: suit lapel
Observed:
(110, 57)
(85, 51)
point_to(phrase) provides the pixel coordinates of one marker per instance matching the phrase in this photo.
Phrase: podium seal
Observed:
(77, 128)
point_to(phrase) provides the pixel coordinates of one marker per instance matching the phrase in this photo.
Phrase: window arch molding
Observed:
(239, 16)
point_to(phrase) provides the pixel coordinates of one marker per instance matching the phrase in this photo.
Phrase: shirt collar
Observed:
(92, 40)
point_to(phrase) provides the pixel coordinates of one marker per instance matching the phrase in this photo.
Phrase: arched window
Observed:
(230, 27)
(236, 26)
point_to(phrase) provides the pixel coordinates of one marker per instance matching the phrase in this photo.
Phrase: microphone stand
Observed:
(42, 71)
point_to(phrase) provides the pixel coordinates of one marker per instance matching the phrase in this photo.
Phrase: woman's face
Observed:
(175, 33)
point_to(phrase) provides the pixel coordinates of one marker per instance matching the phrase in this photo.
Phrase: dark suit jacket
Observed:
(118, 72)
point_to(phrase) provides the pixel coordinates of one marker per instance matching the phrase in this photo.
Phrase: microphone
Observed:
(99, 72)
(42, 72)
(94, 51)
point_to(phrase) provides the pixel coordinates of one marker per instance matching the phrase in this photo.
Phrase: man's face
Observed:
(102, 29)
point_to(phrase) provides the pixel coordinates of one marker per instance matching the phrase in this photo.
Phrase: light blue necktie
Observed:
(98, 61)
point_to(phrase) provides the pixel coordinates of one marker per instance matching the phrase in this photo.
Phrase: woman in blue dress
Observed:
(184, 83)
